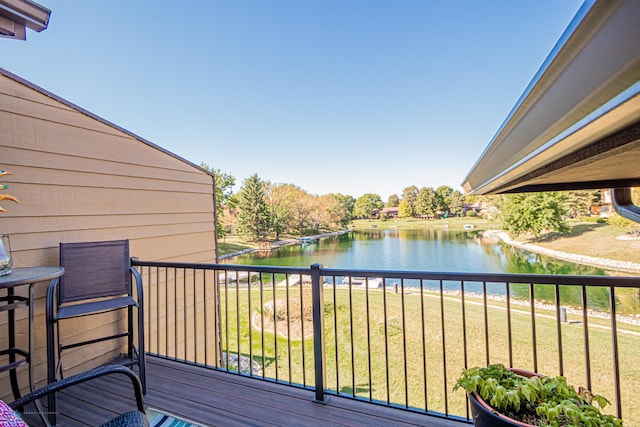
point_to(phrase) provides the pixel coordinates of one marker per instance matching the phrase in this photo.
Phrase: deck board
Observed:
(214, 398)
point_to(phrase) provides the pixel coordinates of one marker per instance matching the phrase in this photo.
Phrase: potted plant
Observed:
(512, 397)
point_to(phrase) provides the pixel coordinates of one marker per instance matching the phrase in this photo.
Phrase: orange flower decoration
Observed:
(6, 196)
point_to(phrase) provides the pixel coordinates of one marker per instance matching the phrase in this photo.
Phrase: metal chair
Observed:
(97, 279)
(131, 418)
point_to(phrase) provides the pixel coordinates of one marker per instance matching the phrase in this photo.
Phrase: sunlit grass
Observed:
(374, 340)
(457, 223)
(232, 244)
(593, 239)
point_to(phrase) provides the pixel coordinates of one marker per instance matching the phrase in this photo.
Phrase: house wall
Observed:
(79, 178)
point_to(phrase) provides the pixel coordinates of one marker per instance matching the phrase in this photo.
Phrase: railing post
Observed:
(319, 358)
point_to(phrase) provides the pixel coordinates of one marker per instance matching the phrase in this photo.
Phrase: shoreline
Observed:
(287, 242)
(604, 263)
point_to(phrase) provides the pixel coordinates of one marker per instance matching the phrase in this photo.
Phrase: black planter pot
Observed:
(485, 416)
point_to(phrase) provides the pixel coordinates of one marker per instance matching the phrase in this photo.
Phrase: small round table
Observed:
(27, 276)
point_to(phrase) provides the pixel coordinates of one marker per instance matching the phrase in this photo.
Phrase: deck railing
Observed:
(396, 338)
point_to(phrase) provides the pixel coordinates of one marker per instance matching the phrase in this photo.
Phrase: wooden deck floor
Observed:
(214, 398)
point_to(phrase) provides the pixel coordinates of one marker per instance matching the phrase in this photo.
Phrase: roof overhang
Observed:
(18, 15)
(577, 125)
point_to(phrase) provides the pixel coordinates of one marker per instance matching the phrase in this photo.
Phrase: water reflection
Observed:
(444, 251)
(518, 261)
(423, 249)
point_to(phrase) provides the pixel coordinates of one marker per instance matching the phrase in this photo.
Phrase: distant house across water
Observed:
(384, 213)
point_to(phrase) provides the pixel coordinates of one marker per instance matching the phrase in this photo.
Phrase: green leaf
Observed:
(601, 401)
(551, 399)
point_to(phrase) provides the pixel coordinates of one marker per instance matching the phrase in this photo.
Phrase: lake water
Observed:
(442, 250)
(437, 250)
(423, 249)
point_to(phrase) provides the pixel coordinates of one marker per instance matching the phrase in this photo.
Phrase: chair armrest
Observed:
(80, 378)
(138, 278)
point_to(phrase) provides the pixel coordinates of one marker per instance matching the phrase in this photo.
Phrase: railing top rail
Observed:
(618, 281)
(222, 267)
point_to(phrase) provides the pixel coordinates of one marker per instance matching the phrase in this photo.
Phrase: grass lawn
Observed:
(231, 244)
(413, 223)
(377, 339)
(592, 239)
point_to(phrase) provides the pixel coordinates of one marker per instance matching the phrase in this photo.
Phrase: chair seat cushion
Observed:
(9, 417)
(83, 309)
(130, 419)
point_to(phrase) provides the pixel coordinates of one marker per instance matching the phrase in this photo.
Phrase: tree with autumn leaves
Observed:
(266, 210)
(429, 202)
(225, 199)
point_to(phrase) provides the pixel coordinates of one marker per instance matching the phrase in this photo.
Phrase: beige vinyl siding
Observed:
(174, 327)
(80, 178)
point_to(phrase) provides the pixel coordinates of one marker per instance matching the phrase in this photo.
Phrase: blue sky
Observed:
(348, 96)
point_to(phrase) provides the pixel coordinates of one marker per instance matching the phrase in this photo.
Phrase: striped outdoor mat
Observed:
(162, 419)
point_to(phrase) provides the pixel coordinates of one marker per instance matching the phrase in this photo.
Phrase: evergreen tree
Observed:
(253, 214)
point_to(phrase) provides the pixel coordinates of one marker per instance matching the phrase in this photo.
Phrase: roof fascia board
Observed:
(98, 118)
(588, 130)
(508, 121)
(566, 95)
(26, 13)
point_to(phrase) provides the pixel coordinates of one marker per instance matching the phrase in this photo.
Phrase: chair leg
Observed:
(130, 346)
(141, 351)
(59, 370)
(51, 354)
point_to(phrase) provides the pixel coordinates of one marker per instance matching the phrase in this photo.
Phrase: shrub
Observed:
(631, 227)
(596, 219)
(549, 400)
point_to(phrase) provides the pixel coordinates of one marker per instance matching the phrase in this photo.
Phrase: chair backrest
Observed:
(94, 270)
